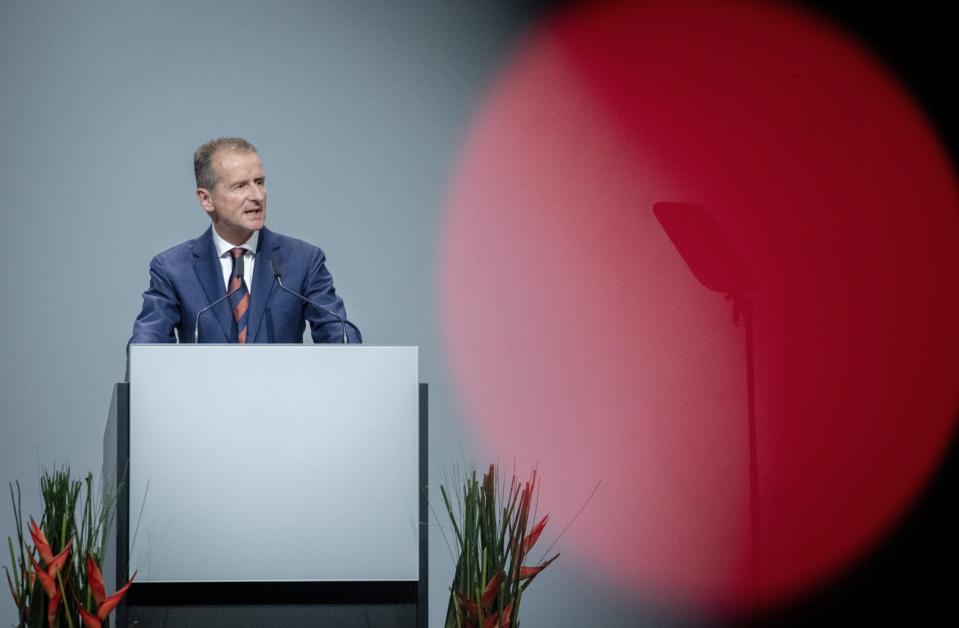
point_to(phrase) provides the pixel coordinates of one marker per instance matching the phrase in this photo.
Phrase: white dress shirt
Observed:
(223, 249)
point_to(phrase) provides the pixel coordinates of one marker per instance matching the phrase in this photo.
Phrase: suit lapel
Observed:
(263, 281)
(210, 274)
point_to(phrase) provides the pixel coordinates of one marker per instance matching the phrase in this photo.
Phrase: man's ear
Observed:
(205, 199)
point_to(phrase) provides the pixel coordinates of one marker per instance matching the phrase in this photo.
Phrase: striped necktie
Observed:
(239, 300)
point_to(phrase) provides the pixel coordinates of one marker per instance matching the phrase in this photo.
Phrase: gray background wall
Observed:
(358, 110)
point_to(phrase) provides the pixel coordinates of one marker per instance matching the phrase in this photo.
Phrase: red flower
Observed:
(16, 598)
(487, 598)
(40, 540)
(52, 608)
(48, 576)
(53, 563)
(529, 572)
(533, 536)
(468, 605)
(105, 604)
(48, 582)
(89, 620)
(500, 622)
(95, 578)
(491, 590)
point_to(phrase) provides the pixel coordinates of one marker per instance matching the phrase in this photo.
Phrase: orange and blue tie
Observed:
(239, 300)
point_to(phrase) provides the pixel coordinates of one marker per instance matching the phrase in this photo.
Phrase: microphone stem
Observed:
(279, 280)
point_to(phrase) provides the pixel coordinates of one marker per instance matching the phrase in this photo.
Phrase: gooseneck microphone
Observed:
(237, 273)
(275, 265)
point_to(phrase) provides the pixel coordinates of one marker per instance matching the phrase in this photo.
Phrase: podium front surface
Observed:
(272, 485)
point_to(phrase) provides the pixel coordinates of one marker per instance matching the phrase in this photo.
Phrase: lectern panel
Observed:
(273, 463)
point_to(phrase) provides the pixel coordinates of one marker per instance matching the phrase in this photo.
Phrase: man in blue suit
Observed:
(240, 256)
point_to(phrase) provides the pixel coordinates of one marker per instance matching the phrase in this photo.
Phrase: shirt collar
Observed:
(223, 247)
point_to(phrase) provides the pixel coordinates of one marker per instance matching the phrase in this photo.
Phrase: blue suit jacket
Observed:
(188, 277)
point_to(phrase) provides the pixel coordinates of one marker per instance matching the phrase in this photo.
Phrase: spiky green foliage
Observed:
(493, 536)
(67, 522)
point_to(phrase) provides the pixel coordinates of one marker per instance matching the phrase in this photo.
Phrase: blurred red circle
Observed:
(581, 341)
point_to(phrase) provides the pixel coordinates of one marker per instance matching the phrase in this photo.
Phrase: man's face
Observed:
(237, 203)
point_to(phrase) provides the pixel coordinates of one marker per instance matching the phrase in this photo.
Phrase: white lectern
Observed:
(270, 485)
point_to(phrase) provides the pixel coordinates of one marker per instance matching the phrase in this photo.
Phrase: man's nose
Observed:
(259, 193)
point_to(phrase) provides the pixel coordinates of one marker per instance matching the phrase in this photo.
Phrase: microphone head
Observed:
(275, 265)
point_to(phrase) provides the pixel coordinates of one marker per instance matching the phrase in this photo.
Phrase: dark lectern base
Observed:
(233, 616)
(268, 604)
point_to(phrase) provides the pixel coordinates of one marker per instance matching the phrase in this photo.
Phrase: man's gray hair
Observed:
(203, 158)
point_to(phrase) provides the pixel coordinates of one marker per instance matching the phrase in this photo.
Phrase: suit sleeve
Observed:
(160, 314)
(319, 287)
